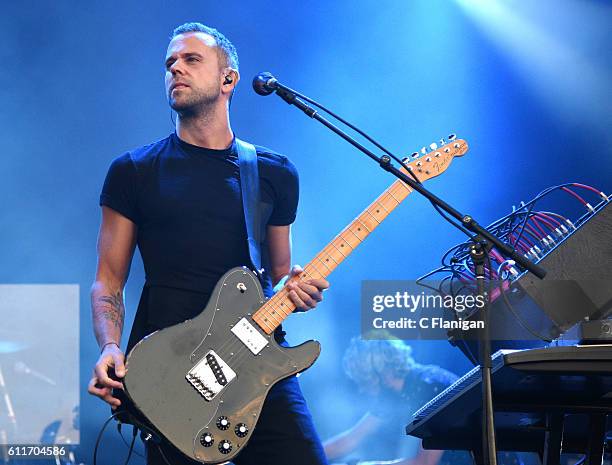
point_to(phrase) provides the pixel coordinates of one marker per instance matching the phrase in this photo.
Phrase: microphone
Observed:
(264, 83)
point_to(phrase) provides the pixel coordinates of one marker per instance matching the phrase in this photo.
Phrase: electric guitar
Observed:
(202, 383)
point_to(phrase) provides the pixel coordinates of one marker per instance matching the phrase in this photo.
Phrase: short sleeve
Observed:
(285, 205)
(119, 190)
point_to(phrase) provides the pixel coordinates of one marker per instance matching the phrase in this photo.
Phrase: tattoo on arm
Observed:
(112, 309)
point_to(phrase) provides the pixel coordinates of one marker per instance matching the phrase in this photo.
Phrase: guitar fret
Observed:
(399, 185)
(316, 269)
(280, 305)
(271, 316)
(328, 268)
(392, 196)
(263, 321)
(348, 244)
(364, 225)
(358, 238)
(344, 236)
(405, 186)
(331, 256)
(338, 250)
(368, 212)
(384, 208)
(306, 273)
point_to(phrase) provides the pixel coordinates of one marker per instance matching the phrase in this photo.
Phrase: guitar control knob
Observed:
(225, 446)
(207, 439)
(223, 423)
(241, 430)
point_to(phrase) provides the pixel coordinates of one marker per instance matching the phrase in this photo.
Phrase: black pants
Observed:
(285, 434)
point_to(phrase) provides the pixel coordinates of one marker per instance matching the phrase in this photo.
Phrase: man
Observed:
(386, 370)
(179, 199)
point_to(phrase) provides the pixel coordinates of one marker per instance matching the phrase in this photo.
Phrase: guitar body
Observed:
(202, 383)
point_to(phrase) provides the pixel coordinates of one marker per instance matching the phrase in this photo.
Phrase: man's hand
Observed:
(110, 363)
(305, 293)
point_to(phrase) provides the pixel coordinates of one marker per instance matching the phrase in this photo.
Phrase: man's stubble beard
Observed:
(197, 105)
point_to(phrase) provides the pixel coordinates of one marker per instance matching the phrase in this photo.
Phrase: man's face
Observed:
(193, 72)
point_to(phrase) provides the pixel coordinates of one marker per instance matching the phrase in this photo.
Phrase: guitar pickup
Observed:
(249, 336)
(210, 375)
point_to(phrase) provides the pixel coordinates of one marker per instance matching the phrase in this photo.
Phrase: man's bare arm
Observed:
(116, 243)
(279, 249)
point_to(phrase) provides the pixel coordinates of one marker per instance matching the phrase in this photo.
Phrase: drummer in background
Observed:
(398, 386)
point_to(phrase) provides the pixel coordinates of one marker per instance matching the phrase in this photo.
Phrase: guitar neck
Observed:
(425, 167)
(275, 310)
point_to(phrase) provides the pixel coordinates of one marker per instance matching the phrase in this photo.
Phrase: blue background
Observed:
(527, 84)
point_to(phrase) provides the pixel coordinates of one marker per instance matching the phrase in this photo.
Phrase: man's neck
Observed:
(212, 131)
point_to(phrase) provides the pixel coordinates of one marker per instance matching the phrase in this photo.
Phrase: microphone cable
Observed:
(99, 438)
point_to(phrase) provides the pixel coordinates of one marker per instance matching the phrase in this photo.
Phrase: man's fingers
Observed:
(101, 372)
(312, 291)
(119, 366)
(113, 401)
(94, 388)
(105, 381)
(304, 300)
(104, 393)
(299, 303)
(295, 271)
(319, 283)
(305, 293)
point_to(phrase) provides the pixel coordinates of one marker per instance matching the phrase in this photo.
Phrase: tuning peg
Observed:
(423, 150)
(433, 146)
(442, 142)
(452, 137)
(415, 154)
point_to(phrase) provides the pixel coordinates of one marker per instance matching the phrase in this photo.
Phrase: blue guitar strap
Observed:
(249, 185)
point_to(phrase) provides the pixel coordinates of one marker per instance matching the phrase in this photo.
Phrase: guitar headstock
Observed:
(430, 162)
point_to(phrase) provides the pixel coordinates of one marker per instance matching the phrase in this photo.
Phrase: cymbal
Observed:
(9, 347)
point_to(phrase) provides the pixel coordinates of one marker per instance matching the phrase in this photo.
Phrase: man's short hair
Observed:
(224, 46)
(366, 360)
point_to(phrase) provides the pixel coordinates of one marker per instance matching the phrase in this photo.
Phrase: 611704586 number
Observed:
(35, 451)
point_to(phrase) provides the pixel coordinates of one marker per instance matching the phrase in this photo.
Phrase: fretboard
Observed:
(275, 310)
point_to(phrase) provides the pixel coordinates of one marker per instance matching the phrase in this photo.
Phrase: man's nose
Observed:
(176, 68)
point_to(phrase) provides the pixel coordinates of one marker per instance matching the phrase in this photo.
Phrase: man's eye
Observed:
(192, 59)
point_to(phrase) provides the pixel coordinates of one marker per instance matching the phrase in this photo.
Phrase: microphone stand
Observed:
(483, 242)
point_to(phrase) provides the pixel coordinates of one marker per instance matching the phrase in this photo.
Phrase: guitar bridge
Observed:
(210, 375)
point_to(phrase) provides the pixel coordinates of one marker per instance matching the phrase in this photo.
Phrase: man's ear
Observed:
(230, 79)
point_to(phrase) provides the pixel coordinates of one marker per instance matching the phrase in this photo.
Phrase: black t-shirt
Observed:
(186, 202)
